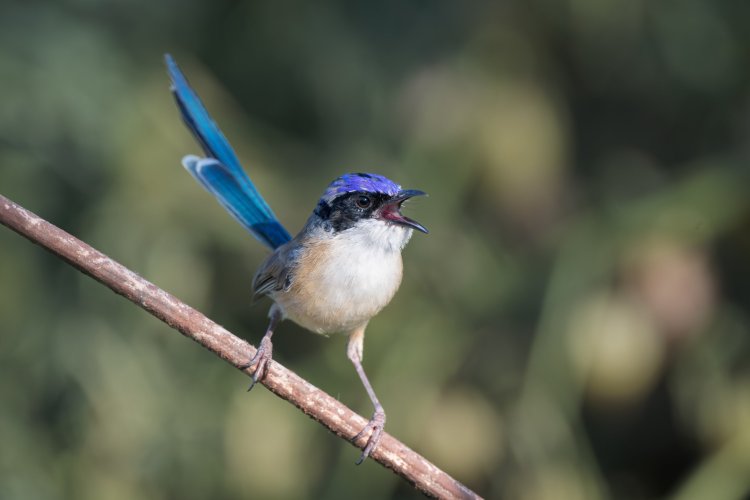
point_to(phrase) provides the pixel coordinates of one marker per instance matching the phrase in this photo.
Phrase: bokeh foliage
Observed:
(575, 325)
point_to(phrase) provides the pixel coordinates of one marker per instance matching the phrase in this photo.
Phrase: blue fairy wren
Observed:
(340, 270)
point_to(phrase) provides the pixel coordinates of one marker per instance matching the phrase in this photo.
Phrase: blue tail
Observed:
(221, 173)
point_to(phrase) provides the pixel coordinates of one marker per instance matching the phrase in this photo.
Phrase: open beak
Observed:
(392, 210)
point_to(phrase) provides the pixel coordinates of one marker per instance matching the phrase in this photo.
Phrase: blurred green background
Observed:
(575, 325)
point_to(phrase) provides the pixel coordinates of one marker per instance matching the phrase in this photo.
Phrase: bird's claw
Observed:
(260, 361)
(375, 428)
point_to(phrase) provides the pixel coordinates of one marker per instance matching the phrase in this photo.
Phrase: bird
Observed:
(341, 269)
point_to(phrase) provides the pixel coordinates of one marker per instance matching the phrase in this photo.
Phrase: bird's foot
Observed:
(375, 428)
(260, 361)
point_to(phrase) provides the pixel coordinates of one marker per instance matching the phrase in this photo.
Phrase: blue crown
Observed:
(370, 183)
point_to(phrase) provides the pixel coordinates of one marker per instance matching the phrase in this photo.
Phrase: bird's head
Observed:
(354, 198)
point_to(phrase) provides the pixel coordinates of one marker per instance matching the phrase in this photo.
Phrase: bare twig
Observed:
(315, 403)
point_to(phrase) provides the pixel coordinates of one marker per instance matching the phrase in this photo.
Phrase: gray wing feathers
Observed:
(276, 273)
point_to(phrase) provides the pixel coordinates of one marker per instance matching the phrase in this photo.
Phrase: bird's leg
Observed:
(265, 350)
(376, 424)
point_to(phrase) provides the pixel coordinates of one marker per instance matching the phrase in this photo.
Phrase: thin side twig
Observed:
(315, 403)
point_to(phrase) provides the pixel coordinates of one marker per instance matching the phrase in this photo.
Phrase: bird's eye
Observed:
(364, 201)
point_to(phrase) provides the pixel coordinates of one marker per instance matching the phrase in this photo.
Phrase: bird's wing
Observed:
(277, 271)
(221, 173)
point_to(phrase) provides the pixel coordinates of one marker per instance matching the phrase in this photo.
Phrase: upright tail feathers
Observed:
(221, 173)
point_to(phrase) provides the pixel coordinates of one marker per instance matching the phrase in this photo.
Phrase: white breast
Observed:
(342, 280)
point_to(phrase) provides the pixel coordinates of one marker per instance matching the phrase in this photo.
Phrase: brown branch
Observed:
(315, 403)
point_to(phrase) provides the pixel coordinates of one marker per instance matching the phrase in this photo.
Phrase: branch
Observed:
(313, 402)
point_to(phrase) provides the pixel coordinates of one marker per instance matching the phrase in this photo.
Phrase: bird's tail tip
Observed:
(190, 161)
